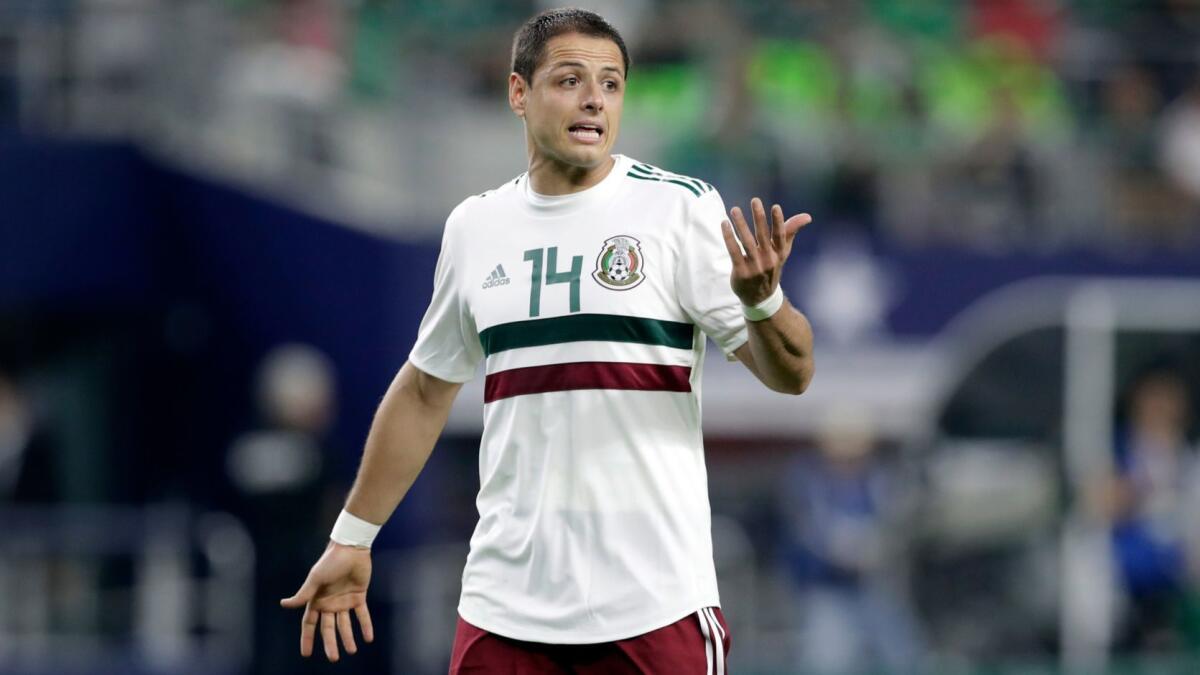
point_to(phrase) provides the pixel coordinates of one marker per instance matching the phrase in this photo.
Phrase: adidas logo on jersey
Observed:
(496, 278)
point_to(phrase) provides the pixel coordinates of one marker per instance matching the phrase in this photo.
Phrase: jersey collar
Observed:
(554, 205)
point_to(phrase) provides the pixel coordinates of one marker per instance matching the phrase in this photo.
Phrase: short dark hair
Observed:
(529, 44)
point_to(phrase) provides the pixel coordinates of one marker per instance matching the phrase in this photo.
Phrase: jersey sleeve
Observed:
(702, 278)
(447, 344)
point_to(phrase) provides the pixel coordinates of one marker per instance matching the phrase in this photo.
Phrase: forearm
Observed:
(781, 350)
(406, 426)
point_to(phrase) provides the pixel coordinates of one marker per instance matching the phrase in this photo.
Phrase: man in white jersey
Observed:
(586, 287)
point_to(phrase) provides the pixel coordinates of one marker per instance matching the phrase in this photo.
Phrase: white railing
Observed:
(124, 589)
(1092, 312)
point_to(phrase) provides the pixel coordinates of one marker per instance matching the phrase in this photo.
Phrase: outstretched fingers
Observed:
(744, 233)
(778, 227)
(308, 628)
(784, 231)
(364, 622)
(329, 636)
(346, 632)
(731, 244)
(761, 227)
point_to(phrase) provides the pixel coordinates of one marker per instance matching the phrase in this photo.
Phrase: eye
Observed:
(612, 85)
(571, 81)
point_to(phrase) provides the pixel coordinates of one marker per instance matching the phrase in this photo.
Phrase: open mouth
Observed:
(585, 133)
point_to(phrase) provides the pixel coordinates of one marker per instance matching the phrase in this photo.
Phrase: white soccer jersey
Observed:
(590, 311)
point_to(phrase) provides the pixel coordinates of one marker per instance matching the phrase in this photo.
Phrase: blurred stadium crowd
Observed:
(187, 375)
(1025, 123)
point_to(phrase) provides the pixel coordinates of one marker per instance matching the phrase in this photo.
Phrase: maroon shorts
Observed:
(696, 644)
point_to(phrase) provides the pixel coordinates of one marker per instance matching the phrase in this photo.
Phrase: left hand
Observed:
(756, 272)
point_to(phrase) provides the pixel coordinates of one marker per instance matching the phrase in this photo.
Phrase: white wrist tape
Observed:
(765, 309)
(350, 530)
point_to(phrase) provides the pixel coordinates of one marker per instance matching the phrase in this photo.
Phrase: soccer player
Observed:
(586, 287)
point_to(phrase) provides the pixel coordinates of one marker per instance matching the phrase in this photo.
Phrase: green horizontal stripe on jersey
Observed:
(585, 327)
(691, 188)
(646, 171)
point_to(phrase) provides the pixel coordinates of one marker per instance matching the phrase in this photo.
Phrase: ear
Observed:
(518, 89)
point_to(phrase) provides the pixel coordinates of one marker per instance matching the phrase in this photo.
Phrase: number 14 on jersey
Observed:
(553, 276)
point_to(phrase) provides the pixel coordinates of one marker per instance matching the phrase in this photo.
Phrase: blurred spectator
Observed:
(842, 508)
(372, 49)
(994, 182)
(1151, 503)
(936, 122)
(1161, 34)
(734, 151)
(16, 439)
(934, 20)
(114, 47)
(282, 472)
(1181, 159)
(30, 468)
(1141, 201)
(290, 84)
(1035, 24)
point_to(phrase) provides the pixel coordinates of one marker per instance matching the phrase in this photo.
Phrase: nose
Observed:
(593, 98)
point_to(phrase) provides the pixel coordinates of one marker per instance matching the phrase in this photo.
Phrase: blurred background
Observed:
(218, 226)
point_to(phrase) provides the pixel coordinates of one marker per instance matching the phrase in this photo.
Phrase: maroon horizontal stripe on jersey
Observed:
(586, 375)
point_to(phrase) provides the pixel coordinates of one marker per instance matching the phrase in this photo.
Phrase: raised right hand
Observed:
(336, 584)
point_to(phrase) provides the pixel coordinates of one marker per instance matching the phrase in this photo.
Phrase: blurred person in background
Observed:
(1180, 158)
(593, 550)
(31, 464)
(734, 149)
(283, 479)
(25, 471)
(844, 511)
(287, 85)
(995, 181)
(1141, 200)
(1151, 503)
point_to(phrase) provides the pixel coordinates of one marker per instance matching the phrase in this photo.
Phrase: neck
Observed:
(550, 177)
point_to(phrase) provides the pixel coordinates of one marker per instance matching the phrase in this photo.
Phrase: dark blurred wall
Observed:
(169, 289)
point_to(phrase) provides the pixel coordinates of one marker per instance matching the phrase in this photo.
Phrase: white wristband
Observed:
(765, 309)
(350, 530)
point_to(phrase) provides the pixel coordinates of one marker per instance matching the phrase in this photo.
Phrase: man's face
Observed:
(572, 107)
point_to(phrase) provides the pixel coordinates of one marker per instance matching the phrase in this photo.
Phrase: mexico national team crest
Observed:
(620, 265)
